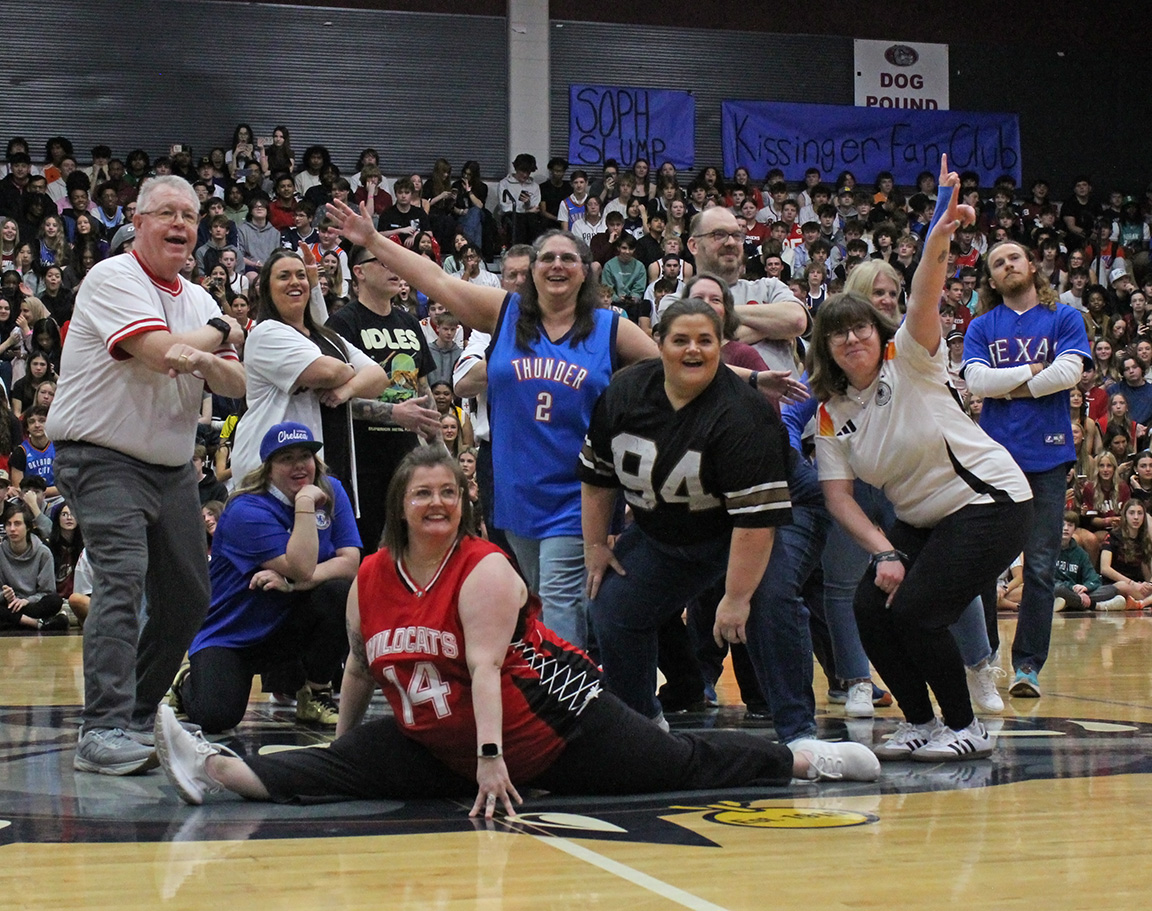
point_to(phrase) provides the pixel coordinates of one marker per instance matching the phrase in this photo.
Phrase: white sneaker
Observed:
(948, 745)
(859, 702)
(982, 687)
(908, 737)
(183, 756)
(837, 761)
(1117, 603)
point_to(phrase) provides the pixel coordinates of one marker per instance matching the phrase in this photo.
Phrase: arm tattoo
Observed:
(372, 411)
(356, 651)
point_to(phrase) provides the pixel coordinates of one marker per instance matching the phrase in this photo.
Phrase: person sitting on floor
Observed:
(27, 576)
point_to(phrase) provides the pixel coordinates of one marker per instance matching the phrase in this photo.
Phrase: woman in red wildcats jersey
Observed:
(483, 695)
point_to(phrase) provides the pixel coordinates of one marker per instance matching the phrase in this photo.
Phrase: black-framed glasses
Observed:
(863, 331)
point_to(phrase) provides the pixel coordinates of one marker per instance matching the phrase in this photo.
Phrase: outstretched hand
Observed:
(356, 226)
(950, 214)
(782, 386)
(310, 264)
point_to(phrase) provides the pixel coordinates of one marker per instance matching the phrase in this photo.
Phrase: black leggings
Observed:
(614, 751)
(910, 643)
(215, 693)
(38, 609)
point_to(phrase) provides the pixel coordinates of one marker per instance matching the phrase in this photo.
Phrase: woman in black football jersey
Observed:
(703, 460)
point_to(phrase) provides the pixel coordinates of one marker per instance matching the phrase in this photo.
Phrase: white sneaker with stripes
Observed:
(947, 745)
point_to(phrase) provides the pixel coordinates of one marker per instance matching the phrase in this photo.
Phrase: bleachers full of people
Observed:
(261, 204)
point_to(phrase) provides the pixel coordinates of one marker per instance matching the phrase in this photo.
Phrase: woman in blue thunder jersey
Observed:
(552, 354)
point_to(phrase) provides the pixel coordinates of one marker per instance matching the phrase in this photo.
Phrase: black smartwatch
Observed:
(489, 751)
(220, 326)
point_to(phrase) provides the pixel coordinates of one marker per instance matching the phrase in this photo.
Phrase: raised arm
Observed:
(923, 318)
(474, 305)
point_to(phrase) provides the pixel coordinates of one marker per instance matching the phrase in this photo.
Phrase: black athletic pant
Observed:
(614, 751)
(312, 640)
(38, 609)
(910, 643)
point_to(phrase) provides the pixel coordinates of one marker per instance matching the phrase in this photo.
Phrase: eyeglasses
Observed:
(172, 215)
(719, 236)
(568, 259)
(862, 331)
(366, 260)
(422, 496)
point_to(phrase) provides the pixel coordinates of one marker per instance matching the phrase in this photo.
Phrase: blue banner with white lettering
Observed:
(762, 135)
(625, 123)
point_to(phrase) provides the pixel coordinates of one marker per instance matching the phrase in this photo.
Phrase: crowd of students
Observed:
(257, 196)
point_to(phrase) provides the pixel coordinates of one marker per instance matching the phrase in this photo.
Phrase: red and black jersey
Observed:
(415, 646)
(691, 474)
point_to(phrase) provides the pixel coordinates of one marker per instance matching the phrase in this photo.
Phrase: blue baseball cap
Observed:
(286, 434)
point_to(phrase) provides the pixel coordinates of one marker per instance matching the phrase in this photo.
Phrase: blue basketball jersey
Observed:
(540, 403)
(1037, 432)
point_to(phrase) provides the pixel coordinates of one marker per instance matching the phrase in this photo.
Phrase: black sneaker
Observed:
(57, 623)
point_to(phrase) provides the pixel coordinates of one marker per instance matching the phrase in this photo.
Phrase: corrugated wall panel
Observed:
(714, 65)
(415, 86)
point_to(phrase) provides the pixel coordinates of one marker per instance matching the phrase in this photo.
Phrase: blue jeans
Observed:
(629, 610)
(554, 569)
(844, 563)
(1034, 620)
(471, 225)
(971, 634)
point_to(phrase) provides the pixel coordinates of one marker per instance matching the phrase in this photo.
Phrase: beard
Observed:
(1016, 283)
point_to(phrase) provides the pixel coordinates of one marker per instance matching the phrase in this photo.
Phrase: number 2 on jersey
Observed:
(425, 686)
(544, 407)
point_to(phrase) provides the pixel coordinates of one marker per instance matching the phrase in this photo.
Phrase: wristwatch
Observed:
(220, 326)
(489, 751)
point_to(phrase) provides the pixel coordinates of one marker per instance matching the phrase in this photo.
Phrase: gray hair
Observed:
(170, 181)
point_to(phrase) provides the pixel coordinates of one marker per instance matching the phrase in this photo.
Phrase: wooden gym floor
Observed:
(1058, 818)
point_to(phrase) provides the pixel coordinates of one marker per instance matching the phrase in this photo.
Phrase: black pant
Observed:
(484, 480)
(38, 609)
(947, 566)
(312, 639)
(614, 751)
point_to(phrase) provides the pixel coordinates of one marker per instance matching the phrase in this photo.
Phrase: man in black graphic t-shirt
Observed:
(384, 429)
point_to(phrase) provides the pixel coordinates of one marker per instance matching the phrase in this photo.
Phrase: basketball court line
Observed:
(629, 874)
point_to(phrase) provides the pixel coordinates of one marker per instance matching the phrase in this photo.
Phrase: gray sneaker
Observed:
(110, 751)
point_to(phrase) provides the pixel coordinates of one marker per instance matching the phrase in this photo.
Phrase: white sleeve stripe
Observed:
(135, 328)
(762, 507)
(772, 485)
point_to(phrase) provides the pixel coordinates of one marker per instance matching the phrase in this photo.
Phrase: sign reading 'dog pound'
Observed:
(909, 75)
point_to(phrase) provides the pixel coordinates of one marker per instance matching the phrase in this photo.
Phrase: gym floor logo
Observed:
(745, 815)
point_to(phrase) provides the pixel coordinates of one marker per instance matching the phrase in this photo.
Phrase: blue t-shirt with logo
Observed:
(254, 529)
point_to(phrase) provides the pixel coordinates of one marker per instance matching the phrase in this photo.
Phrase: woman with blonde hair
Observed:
(880, 283)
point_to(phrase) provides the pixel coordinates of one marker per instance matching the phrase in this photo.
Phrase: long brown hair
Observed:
(989, 298)
(258, 480)
(266, 309)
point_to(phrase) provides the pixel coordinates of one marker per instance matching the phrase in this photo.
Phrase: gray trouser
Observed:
(143, 533)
